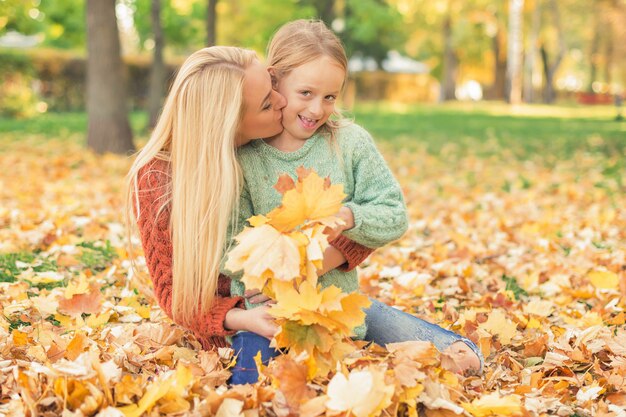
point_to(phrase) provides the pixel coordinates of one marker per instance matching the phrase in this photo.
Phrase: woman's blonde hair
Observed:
(195, 135)
(301, 41)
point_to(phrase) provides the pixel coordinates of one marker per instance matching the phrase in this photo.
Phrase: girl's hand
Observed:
(257, 320)
(347, 216)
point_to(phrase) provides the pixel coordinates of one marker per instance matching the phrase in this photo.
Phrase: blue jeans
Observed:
(385, 324)
(246, 345)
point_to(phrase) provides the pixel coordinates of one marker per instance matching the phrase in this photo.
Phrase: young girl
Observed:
(309, 67)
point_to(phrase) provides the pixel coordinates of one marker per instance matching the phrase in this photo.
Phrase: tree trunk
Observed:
(548, 86)
(531, 54)
(324, 9)
(498, 90)
(211, 23)
(550, 69)
(450, 61)
(595, 46)
(514, 50)
(157, 71)
(608, 54)
(108, 128)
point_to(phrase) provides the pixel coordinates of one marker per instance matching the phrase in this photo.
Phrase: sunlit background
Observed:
(400, 50)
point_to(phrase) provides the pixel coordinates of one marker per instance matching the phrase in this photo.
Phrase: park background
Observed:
(501, 120)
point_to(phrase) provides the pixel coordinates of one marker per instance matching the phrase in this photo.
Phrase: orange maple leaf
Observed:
(312, 200)
(291, 379)
(284, 184)
(84, 303)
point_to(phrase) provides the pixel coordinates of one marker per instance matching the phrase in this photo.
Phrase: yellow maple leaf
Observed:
(230, 407)
(174, 384)
(363, 393)
(494, 405)
(317, 242)
(263, 249)
(498, 325)
(292, 301)
(311, 200)
(303, 338)
(80, 287)
(604, 279)
(352, 314)
(329, 307)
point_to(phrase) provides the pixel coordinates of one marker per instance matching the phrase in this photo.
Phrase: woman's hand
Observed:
(347, 216)
(257, 320)
(255, 296)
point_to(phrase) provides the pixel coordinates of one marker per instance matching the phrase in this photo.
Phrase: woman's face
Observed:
(262, 106)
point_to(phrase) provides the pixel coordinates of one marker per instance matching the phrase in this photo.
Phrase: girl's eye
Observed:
(267, 106)
(331, 98)
(306, 93)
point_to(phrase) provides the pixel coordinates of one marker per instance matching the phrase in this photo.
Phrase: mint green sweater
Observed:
(373, 194)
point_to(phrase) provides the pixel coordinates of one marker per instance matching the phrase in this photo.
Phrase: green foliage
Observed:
(64, 23)
(9, 271)
(183, 27)
(513, 286)
(372, 27)
(61, 78)
(16, 323)
(60, 23)
(252, 23)
(15, 17)
(97, 255)
(54, 321)
(17, 98)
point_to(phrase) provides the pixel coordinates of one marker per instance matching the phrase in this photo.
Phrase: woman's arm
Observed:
(153, 225)
(257, 320)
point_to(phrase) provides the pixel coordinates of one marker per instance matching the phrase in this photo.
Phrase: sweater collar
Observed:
(288, 156)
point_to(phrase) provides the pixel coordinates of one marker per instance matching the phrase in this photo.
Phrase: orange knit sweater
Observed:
(154, 228)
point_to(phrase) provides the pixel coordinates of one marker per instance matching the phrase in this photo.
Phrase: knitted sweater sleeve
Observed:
(154, 228)
(354, 253)
(380, 214)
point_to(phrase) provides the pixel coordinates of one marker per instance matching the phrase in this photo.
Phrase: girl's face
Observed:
(262, 106)
(311, 90)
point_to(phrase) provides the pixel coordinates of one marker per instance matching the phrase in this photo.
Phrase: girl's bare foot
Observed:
(460, 358)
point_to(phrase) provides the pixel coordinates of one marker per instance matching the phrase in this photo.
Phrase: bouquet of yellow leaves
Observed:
(281, 253)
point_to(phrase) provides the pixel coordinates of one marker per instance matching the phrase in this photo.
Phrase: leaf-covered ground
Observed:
(524, 256)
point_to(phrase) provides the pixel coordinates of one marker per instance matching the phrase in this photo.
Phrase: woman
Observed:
(185, 183)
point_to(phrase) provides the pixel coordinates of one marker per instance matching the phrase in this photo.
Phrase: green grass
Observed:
(62, 126)
(487, 127)
(556, 131)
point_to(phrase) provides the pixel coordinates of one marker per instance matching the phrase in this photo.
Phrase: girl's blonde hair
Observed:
(301, 41)
(195, 135)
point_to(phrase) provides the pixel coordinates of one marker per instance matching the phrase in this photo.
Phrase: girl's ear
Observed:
(272, 72)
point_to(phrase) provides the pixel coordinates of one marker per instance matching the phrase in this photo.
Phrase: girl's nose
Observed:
(316, 109)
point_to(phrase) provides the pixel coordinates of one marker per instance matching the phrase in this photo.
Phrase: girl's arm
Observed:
(380, 214)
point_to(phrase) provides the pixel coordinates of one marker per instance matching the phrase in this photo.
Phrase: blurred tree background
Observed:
(400, 50)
